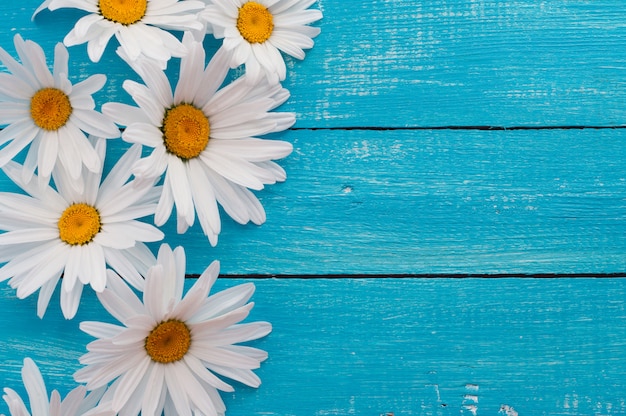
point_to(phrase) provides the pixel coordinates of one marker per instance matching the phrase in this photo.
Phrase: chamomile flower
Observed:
(76, 403)
(167, 352)
(44, 110)
(255, 32)
(140, 26)
(77, 234)
(202, 139)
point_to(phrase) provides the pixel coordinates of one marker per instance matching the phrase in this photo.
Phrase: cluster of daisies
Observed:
(194, 146)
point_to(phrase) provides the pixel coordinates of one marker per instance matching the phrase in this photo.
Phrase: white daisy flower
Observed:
(164, 356)
(203, 139)
(76, 403)
(77, 234)
(140, 26)
(45, 110)
(255, 32)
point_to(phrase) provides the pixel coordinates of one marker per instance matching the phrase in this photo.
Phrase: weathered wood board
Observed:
(448, 137)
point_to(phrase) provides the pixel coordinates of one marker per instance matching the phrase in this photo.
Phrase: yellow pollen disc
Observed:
(79, 224)
(125, 12)
(50, 108)
(255, 22)
(168, 342)
(185, 131)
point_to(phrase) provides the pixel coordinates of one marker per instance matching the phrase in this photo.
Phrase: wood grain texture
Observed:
(367, 201)
(464, 62)
(407, 346)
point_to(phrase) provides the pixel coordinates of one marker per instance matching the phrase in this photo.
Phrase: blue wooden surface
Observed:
(463, 62)
(406, 346)
(363, 201)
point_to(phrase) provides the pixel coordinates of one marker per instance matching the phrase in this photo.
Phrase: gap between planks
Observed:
(423, 276)
(478, 127)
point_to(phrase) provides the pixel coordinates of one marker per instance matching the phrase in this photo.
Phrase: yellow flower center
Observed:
(255, 22)
(50, 108)
(168, 342)
(79, 224)
(125, 12)
(185, 131)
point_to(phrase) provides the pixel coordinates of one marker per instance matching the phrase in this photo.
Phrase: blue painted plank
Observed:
(406, 63)
(406, 346)
(384, 202)
(460, 62)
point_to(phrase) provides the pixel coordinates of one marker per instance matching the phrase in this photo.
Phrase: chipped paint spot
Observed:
(507, 410)
(471, 387)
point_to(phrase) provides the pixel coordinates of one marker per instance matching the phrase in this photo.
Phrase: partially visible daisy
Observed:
(255, 32)
(203, 139)
(76, 403)
(165, 354)
(45, 110)
(140, 26)
(76, 234)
